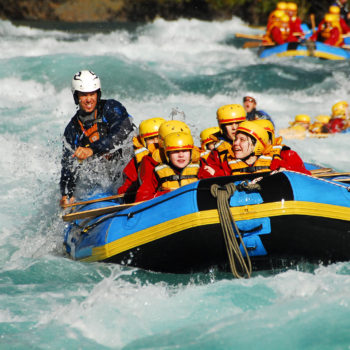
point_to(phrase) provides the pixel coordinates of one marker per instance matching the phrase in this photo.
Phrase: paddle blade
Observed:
(252, 44)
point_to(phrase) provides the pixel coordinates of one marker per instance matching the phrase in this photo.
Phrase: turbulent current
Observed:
(186, 69)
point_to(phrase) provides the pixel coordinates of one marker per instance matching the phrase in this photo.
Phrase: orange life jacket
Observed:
(221, 146)
(326, 33)
(139, 150)
(261, 165)
(169, 180)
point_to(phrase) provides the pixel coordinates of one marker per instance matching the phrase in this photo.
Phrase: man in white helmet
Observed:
(95, 130)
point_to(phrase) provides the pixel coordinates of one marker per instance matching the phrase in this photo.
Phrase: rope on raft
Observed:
(223, 194)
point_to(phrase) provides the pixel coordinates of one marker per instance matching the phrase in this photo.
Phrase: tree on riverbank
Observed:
(254, 12)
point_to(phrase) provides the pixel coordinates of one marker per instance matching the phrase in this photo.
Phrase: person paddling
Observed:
(97, 129)
(329, 31)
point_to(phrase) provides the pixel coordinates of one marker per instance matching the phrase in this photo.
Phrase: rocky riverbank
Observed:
(254, 12)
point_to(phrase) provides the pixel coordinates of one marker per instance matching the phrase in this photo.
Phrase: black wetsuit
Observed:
(254, 115)
(114, 125)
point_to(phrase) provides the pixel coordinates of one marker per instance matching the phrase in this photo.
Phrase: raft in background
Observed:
(307, 49)
(300, 134)
(292, 217)
(293, 134)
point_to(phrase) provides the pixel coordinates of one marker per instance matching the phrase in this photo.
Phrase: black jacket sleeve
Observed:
(119, 124)
(69, 164)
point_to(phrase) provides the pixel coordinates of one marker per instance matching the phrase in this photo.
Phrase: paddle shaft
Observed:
(313, 22)
(331, 174)
(94, 200)
(97, 212)
(251, 44)
(320, 171)
(249, 36)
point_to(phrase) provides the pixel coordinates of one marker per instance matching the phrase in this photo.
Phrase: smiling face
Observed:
(180, 159)
(87, 101)
(243, 146)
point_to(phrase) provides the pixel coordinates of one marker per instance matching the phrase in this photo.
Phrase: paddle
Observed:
(342, 180)
(94, 200)
(97, 212)
(331, 174)
(320, 171)
(251, 44)
(313, 22)
(249, 36)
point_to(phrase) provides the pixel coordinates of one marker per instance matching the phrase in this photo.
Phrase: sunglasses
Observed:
(249, 99)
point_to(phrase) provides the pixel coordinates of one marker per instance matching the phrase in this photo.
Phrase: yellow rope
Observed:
(223, 195)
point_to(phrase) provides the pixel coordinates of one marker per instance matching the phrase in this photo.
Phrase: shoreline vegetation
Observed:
(253, 12)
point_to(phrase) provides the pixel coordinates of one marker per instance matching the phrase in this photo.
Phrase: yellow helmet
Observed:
(231, 114)
(177, 141)
(149, 128)
(278, 13)
(302, 118)
(284, 19)
(335, 10)
(206, 133)
(169, 127)
(268, 126)
(292, 6)
(340, 109)
(256, 131)
(324, 119)
(331, 17)
(281, 5)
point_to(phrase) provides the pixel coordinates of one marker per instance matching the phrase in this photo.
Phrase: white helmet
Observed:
(85, 81)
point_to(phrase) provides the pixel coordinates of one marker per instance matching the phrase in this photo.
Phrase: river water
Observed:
(186, 69)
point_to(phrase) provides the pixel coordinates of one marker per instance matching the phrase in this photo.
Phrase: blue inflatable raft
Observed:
(291, 217)
(311, 49)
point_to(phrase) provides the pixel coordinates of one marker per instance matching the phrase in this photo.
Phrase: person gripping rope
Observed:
(97, 128)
